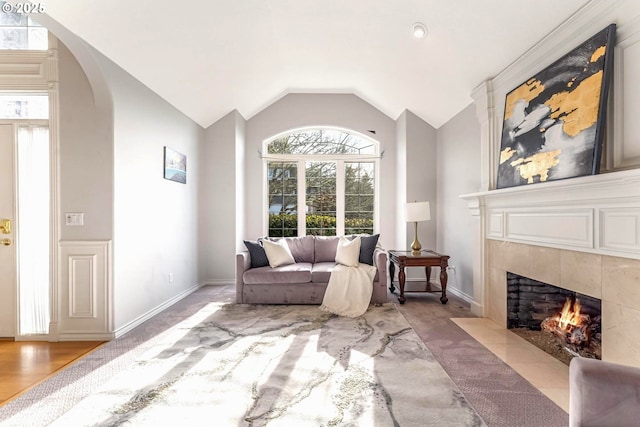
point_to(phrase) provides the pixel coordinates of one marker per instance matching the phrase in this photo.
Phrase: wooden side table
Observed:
(426, 259)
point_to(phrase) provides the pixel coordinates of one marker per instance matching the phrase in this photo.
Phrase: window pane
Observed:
(17, 106)
(12, 19)
(359, 197)
(32, 23)
(321, 141)
(13, 38)
(283, 199)
(33, 220)
(321, 198)
(38, 39)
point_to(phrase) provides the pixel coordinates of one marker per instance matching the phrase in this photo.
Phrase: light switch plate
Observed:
(74, 218)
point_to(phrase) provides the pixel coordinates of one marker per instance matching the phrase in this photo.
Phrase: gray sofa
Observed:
(303, 282)
(603, 394)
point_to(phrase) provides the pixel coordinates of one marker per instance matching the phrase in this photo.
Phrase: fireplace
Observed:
(561, 322)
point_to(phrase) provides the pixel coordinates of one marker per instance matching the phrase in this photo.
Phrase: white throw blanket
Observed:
(349, 290)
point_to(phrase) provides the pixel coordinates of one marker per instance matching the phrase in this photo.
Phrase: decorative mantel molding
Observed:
(597, 213)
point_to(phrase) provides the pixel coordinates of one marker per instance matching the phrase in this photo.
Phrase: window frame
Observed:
(339, 159)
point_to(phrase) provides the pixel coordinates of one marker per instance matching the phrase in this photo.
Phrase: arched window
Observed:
(321, 182)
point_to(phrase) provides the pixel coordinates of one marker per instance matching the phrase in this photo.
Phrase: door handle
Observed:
(5, 226)
(5, 242)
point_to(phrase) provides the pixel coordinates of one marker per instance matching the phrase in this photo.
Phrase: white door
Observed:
(7, 253)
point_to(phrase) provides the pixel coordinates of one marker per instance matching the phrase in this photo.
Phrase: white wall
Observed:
(401, 184)
(416, 181)
(221, 211)
(240, 181)
(85, 155)
(458, 155)
(420, 175)
(155, 220)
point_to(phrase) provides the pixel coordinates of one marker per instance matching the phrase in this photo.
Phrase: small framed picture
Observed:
(175, 166)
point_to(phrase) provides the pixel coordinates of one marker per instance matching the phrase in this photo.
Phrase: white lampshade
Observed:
(417, 211)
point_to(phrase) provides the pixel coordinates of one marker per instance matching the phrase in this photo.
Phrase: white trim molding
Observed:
(597, 214)
(149, 314)
(564, 227)
(85, 304)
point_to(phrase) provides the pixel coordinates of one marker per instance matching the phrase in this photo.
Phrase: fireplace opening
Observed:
(561, 322)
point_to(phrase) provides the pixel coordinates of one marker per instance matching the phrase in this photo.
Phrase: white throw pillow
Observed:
(348, 251)
(278, 253)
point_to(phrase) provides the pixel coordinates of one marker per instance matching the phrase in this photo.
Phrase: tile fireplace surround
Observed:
(582, 234)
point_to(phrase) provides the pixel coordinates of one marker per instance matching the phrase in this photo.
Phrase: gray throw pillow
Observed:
(368, 245)
(256, 253)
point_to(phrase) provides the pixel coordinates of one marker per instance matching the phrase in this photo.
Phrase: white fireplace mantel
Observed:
(597, 213)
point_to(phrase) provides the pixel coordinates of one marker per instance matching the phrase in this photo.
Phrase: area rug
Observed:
(255, 365)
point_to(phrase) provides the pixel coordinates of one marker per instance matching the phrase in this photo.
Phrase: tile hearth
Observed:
(542, 370)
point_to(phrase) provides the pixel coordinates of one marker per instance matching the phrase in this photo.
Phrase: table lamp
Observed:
(416, 212)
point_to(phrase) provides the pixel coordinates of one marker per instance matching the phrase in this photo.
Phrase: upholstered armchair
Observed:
(603, 394)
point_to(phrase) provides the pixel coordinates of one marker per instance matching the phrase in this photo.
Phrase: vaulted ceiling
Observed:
(209, 57)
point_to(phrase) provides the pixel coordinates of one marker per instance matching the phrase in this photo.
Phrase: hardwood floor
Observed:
(24, 364)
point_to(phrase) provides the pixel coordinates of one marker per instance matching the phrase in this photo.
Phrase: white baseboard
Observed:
(219, 282)
(457, 292)
(477, 309)
(149, 314)
(84, 336)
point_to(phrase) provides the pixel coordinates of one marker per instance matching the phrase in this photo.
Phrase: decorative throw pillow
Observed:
(278, 253)
(348, 251)
(256, 254)
(368, 245)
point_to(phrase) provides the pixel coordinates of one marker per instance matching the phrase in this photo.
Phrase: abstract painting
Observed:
(554, 123)
(175, 166)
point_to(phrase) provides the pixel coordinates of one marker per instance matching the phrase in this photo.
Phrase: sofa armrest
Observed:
(381, 262)
(603, 393)
(243, 263)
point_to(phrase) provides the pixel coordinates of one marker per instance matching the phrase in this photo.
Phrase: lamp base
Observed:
(416, 247)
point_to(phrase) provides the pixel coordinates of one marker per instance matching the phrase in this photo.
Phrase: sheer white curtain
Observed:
(33, 228)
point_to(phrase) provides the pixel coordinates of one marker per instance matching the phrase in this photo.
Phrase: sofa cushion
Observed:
(292, 273)
(348, 251)
(278, 253)
(325, 248)
(302, 248)
(368, 245)
(256, 254)
(321, 271)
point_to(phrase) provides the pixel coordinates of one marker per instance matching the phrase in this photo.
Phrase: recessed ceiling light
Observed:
(419, 30)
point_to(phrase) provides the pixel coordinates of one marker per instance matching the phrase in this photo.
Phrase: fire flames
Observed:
(569, 325)
(570, 315)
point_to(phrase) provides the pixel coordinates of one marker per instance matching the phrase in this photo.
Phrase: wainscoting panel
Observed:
(569, 228)
(84, 290)
(620, 229)
(496, 224)
(82, 286)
